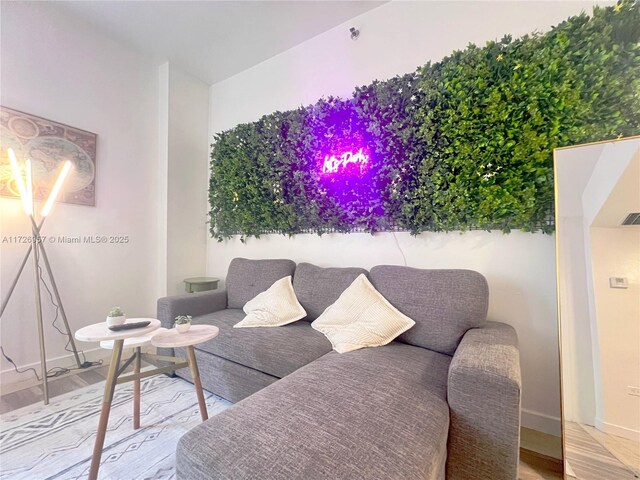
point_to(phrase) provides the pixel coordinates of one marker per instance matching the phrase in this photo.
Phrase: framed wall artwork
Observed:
(48, 144)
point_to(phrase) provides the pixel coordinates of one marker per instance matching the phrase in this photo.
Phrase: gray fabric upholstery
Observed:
(484, 398)
(247, 278)
(227, 379)
(194, 304)
(317, 288)
(276, 351)
(369, 414)
(443, 303)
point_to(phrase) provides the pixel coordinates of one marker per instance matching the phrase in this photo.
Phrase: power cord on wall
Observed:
(400, 248)
(56, 371)
(85, 363)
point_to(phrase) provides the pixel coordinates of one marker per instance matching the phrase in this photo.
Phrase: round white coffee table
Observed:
(137, 338)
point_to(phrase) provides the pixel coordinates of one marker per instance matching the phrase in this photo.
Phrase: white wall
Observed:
(151, 164)
(395, 39)
(578, 375)
(60, 69)
(616, 253)
(184, 153)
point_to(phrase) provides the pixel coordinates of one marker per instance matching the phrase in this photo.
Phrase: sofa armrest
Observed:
(193, 304)
(484, 400)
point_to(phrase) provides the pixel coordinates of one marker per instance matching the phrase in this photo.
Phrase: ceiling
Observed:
(574, 167)
(214, 40)
(624, 198)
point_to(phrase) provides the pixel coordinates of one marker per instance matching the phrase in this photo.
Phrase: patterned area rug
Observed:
(56, 441)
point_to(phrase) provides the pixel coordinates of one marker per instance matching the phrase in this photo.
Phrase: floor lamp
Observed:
(37, 249)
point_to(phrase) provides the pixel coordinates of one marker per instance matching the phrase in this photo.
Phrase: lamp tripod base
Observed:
(40, 252)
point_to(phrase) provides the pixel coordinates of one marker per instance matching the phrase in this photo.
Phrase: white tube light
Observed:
(56, 189)
(29, 207)
(27, 204)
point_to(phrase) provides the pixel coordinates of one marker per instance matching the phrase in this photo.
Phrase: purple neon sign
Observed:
(345, 172)
(334, 164)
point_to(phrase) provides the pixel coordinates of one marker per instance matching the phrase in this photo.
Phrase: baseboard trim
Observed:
(542, 443)
(10, 380)
(542, 461)
(617, 430)
(541, 422)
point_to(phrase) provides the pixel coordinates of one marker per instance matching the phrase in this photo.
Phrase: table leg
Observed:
(136, 390)
(193, 365)
(109, 388)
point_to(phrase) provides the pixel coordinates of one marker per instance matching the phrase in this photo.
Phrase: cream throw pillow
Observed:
(361, 317)
(276, 306)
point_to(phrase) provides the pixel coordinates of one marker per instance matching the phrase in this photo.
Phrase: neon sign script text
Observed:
(333, 165)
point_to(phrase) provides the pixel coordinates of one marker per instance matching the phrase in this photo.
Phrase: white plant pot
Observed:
(183, 327)
(111, 321)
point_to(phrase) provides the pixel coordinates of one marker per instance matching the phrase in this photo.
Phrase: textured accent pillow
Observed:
(361, 317)
(274, 307)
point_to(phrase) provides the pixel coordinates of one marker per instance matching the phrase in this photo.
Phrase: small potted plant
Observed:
(183, 323)
(116, 317)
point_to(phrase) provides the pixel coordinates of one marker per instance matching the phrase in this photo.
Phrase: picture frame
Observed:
(48, 144)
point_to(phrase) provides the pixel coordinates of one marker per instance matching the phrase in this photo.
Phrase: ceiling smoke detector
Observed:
(355, 33)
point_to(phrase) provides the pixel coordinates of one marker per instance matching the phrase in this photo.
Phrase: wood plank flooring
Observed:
(536, 466)
(57, 386)
(532, 466)
(590, 460)
(625, 450)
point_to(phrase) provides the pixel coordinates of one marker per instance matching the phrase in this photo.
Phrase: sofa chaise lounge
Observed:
(441, 401)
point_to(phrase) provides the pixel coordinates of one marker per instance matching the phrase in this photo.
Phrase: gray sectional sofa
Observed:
(441, 401)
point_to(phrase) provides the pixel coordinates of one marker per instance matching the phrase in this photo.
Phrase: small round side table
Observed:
(195, 335)
(200, 284)
(99, 332)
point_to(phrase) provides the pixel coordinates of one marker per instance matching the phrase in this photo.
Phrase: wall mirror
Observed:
(598, 261)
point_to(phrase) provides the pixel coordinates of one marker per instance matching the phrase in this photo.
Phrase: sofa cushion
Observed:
(443, 303)
(372, 413)
(247, 278)
(361, 318)
(317, 287)
(275, 351)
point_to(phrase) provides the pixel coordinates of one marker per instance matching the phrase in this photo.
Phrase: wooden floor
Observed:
(593, 455)
(532, 466)
(625, 450)
(58, 386)
(536, 466)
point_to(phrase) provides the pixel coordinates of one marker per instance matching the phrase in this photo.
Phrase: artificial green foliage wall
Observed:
(463, 143)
